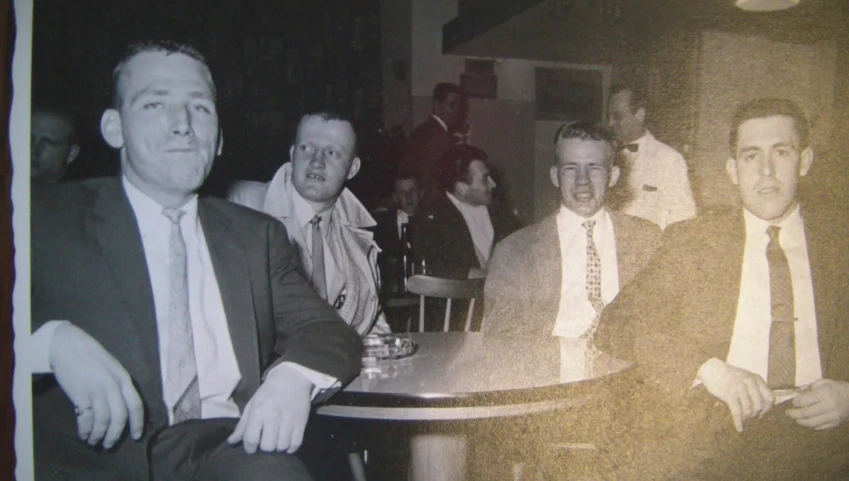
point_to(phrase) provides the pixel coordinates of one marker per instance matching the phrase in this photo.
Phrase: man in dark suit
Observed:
(455, 235)
(738, 327)
(431, 139)
(537, 276)
(184, 318)
(406, 197)
(393, 228)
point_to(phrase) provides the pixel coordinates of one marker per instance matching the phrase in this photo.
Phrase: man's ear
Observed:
(292, 153)
(220, 142)
(614, 176)
(555, 178)
(460, 188)
(110, 128)
(807, 159)
(731, 169)
(641, 114)
(355, 167)
(73, 153)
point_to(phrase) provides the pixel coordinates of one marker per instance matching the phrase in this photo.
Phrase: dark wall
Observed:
(270, 59)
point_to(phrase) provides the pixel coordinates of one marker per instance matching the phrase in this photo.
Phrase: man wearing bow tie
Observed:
(657, 187)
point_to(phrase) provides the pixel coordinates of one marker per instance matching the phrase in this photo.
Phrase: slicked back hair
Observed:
(453, 166)
(441, 91)
(407, 174)
(167, 47)
(636, 100)
(770, 107)
(586, 131)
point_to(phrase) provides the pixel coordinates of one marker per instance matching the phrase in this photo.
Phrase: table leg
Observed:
(437, 457)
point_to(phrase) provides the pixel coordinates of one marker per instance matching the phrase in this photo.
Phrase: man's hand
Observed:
(97, 384)
(746, 394)
(275, 417)
(824, 406)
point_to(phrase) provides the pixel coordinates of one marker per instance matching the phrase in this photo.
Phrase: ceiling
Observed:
(592, 31)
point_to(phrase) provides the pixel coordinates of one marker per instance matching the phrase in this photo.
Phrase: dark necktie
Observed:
(181, 391)
(319, 277)
(593, 276)
(782, 343)
(630, 147)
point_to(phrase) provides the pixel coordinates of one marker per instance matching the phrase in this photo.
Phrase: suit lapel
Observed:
(624, 248)
(828, 287)
(232, 272)
(464, 244)
(548, 267)
(117, 234)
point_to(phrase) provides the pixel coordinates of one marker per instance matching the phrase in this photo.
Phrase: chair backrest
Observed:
(427, 286)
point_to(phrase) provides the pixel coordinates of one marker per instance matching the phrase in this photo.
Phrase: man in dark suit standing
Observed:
(455, 235)
(738, 327)
(184, 318)
(431, 139)
(537, 282)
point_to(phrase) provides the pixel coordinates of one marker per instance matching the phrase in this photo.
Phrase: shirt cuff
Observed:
(39, 347)
(321, 382)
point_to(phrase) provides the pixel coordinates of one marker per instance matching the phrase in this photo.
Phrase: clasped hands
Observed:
(823, 405)
(105, 399)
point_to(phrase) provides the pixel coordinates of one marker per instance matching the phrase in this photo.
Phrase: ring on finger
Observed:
(78, 411)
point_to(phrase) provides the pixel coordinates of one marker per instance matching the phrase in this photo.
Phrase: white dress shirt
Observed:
(403, 218)
(658, 186)
(480, 226)
(576, 313)
(749, 348)
(217, 367)
(440, 121)
(305, 213)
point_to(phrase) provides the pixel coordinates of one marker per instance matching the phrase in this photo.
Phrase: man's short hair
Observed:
(453, 166)
(406, 174)
(770, 107)
(586, 131)
(168, 47)
(442, 90)
(66, 115)
(636, 100)
(328, 114)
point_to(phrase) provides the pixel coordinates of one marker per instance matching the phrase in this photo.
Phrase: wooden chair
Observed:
(427, 286)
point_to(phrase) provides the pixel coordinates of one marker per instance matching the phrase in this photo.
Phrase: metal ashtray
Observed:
(382, 347)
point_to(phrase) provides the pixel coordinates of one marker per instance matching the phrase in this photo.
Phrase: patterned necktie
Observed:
(181, 391)
(782, 344)
(593, 277)
(319, 277)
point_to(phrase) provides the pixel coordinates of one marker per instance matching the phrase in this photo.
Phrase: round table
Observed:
(458, 376)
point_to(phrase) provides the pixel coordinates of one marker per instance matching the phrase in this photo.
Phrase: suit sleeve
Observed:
(679, 200)
(502, 307)
(642, 323)
(309, 332)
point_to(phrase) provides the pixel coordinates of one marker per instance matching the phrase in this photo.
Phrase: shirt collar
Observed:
(441, 122)
(281, 195)
(149, 212)
(305, 212)
(464, 207)
(573, 222)
(792, 228)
